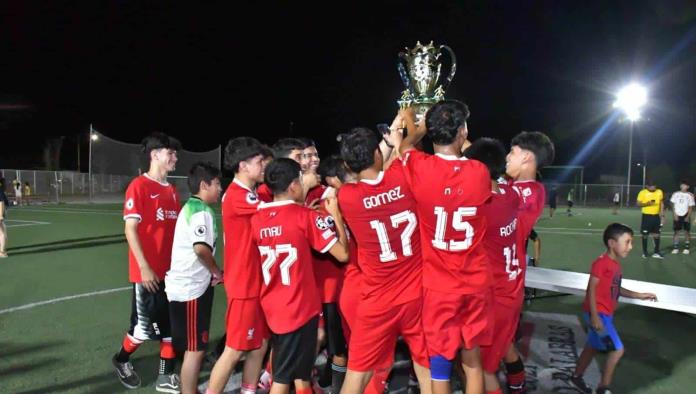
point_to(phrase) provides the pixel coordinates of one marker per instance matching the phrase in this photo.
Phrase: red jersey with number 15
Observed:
(450, 192)
(285, 234)
(381, 214)
(156, 206)
(501, 244)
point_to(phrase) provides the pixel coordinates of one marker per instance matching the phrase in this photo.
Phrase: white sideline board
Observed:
(674, 298)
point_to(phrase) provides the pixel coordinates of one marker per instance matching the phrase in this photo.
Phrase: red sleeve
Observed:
(409, 164)
(482, 183)
(133, 205)
(600, 269)
(264, 193)
(319, 234)
(241, 204)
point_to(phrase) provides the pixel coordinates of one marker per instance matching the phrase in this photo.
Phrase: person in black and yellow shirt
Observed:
(651, 201)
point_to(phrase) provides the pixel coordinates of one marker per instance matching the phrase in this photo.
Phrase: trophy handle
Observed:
(402, 71)
(453, 70)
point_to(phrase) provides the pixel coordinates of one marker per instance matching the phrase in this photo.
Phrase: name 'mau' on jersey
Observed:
(156, 206)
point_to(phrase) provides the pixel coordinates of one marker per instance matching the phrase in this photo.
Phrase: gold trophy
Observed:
(419, 69)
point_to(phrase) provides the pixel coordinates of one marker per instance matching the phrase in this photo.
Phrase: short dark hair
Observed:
(490, 152)
(241, 149)
(201, 171)
(284, 146)
(615, 231)
(332, 166)
(684, 182)
(280, 173)
(158, 140)
(358, 148)
(307, 142)
(444, 119)
(539, 144)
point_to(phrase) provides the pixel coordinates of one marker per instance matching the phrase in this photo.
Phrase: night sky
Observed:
(130, 67)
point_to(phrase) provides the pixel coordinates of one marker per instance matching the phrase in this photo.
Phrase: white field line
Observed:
(78, 212)
(23, 223)
(61, 299)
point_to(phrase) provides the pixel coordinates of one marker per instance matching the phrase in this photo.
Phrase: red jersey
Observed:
(285, 234)
(381, 214)
(242, 277)
(608, 271)
(327, 270)
(500, 243)
(156, 206)
(315, 193)
(450, 192)
(264, 192)
(533, 198)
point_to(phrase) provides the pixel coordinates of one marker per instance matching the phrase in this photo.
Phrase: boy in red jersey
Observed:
(285, 233)
(529, 153)
(450, 191)
(246, 329)
(381, 213)
(501, 248)
(603, 291)
(150, 211)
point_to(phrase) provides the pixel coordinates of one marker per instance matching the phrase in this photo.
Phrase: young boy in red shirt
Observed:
(603, 291)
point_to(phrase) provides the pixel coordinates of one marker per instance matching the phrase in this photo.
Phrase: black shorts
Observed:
(149, 314)
(616, 203)
(682, 223)
(294, 353)
(191, 322)
(552, 204)
(570, 204)
(650, 224)
(335, 340)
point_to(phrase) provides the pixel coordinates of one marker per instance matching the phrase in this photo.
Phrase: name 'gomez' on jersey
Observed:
(500, 243)
(285, 234)
(156, 207)
(450, 191)
(381, 214)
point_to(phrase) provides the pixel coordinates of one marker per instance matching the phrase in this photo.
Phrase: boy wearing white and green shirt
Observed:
(193, 273)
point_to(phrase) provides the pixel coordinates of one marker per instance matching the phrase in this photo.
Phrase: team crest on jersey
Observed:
(526, 192)
(252, 198)
(129, 203)
(321, 224)
(200, 230)
(329, 220)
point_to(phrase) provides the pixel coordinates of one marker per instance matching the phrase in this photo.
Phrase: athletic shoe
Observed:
(658, 256)
(603, 390)
(644, 256)
(675, 251)
(3, 255)
(168, 383)
(265, 381)
(686, 251)
(126, 374)
(579, 384)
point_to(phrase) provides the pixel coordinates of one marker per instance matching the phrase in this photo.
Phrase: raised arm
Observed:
(340, 248)
(414, 132)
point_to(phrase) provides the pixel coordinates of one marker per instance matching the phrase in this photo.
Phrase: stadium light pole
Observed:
(93, 137)
(631, 100)
(644, 166)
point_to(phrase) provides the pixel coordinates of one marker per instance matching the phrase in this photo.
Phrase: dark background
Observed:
(205, 73)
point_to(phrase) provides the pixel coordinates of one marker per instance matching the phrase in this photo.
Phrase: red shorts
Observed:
(246, 324)
(375, 332)
(348, 303)
(454, 321)
(505, 319)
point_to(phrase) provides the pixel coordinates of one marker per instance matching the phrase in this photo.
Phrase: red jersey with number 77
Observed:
(450, 191)
(381, 215)
(156, 207)
(500, 243)
(285, 234)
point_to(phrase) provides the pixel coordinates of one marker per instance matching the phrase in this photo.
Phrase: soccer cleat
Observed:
(126, 374)
(644, 256)
(265, 381)
(675, 251)
(603, 390)
(686, 251)
(658, 256)
(168, 383)
(579, 384)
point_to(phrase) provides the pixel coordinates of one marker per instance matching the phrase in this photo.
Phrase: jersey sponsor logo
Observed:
(130, 203)
(153, 196)
(162, 214)
(506, 231)
(200, 230)
(250, 334)
(320, 223)
(383, 198)
(252, 198)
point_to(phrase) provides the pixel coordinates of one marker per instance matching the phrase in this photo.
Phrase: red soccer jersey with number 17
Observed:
(381, 214)
(450, 192)
(500, 243)
(285, 234)
(156, 206)
(242, 276)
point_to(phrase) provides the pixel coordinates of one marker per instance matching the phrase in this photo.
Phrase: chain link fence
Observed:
(595, 195)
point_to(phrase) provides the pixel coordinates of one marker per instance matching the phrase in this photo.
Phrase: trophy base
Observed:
(420, 108)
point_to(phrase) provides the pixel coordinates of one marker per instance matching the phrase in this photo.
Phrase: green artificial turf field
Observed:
(52, 344)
